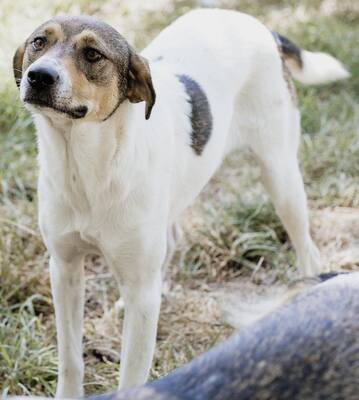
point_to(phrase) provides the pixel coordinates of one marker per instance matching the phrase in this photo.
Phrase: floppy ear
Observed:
(140, 86)
(17, 64)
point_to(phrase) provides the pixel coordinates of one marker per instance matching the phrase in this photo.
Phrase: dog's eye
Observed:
(39, 43)
(92, 55)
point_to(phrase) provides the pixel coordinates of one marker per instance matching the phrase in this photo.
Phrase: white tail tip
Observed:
(319, 68)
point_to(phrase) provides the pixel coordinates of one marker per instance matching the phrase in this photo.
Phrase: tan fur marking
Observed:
(80, 85)
(17, 64)
(87, 37)
(292, 63)
(54, 31)
(105, 97)
(288, 77)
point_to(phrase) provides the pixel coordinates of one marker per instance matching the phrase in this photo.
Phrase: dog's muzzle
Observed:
(43, 90)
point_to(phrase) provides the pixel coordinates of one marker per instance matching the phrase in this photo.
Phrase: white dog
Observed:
(115, 176)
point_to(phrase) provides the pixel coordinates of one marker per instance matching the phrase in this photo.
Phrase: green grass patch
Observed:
(28, 362)
(244, 238)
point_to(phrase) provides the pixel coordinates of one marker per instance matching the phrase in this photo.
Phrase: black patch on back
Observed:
(201, 116)
(288, 48)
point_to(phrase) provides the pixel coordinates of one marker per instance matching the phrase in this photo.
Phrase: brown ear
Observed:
(17, 64)
(140, 86)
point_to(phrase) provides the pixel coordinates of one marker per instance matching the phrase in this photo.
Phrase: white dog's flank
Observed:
(112, 182)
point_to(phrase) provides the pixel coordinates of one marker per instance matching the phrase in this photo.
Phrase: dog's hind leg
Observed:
(67, 284)
(274, 141)
(174, 235)
(283, 181)
(284, 184)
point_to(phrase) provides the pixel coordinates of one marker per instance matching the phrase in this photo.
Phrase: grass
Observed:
(236, 243)
(231, 231)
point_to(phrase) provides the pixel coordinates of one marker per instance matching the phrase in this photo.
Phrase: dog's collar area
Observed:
(75, 113)
(113, 111)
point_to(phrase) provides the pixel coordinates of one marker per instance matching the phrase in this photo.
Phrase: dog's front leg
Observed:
(67, 284)
(140, 279)
(142, 309)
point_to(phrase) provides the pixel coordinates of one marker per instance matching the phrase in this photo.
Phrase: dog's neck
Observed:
(82, 159)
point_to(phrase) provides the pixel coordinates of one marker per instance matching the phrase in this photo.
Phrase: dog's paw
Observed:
(119, 305)
(311, 263)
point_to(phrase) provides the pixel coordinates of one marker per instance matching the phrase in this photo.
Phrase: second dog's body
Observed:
(307, 349)
(114, 183)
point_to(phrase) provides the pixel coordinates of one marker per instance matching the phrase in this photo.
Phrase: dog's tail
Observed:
(248, 312)
(310, 68)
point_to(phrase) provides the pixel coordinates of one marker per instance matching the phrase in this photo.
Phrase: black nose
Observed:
(42, 77)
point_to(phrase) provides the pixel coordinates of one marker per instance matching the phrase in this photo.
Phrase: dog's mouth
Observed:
(74, 112)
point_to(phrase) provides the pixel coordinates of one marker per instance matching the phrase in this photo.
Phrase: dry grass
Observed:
(231, 233)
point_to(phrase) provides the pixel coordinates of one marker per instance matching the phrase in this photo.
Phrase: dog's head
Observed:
(79, 67)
